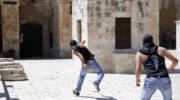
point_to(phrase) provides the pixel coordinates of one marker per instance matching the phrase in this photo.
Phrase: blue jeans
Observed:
(92, 65)
(152, 84)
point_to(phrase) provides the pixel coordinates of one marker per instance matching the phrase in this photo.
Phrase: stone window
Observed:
(122, 33)
(79, 30)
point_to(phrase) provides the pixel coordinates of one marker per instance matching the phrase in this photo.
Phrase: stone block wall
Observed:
(123, 63)
(168, 15)
(54, 17)
(178, 36)
(65, 28)
(54, 28)
(144, 16)
(100, 29)
(37, 12)
(79, 12)
(10, 26)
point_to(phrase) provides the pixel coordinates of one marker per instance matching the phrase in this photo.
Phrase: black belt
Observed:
(91, 58)
(158, 76)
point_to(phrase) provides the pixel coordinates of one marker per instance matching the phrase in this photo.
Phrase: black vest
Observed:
(155, 66)
(85, 53)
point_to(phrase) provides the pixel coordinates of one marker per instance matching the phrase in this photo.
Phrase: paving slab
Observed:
(2, 90)
(55, 80)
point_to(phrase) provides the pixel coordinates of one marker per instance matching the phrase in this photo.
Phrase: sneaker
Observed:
(96, 85)
(76, 92)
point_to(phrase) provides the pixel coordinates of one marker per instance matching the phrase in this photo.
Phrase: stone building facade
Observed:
(99, 22)
(104, 24)
(36, 28)
(113, 29)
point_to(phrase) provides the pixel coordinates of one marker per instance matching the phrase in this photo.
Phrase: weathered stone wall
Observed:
(79, 12)
(10, 26)
(53, 27)
(65, 28)
(144, 16)
(37, 12)
(177, 2)
(168, 15)
(100, 31)
(55, 18)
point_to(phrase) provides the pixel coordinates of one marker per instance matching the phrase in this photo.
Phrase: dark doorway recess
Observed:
(0, 30)
(123, 33)
(31, 40)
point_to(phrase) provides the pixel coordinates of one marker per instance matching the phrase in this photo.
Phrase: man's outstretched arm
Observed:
(170, 57)
(138, 69)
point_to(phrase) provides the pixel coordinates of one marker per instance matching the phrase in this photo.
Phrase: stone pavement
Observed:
(55, 79)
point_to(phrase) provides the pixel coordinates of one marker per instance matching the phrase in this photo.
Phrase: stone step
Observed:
(14, 77)
(12, 71)
(6, 60)
(10, 65)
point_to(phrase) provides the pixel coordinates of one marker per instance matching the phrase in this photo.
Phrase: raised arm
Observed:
(82, 43)
(138, 68)
(170, 57)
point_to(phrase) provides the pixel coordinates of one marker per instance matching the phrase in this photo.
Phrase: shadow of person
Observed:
(2, 95)
(100, 98)
(6, 94)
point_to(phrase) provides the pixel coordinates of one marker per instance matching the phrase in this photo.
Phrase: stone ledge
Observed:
(10, 65)
(6, 60)
(124, 51)
(14, 77)
(12, 71)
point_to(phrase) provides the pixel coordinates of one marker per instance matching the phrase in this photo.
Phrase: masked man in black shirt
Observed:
(157, 77)
(88, 63)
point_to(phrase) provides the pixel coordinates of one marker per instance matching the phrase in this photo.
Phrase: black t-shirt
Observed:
(85, 53)
(155, 65)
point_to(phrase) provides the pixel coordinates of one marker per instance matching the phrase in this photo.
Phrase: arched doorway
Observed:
(0, 29)
(31, 40)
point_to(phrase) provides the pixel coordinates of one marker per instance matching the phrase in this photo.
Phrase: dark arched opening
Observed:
(31, 40)
(0, 29)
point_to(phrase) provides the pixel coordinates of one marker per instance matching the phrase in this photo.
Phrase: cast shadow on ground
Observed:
(6, 94)
(100, 98)
(2, 95)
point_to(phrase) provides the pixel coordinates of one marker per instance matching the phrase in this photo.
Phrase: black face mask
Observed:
(75, 47)
(148, 46)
